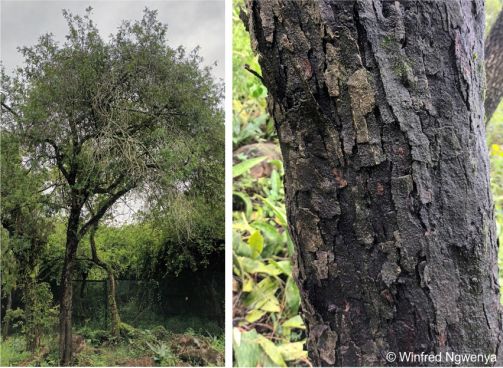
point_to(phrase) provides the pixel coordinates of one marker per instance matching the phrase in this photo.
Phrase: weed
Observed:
(12, 351)
(218, 343)
(163, 354)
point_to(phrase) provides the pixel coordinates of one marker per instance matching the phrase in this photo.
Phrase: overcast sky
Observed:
(190, 23)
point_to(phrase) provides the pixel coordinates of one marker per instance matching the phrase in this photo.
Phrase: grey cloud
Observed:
(190, 23)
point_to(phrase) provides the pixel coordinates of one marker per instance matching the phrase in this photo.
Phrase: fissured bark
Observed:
(65, 305)
(379, 112)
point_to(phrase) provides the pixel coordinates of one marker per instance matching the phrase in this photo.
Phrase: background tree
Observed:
(113, 309)
(25, 218)
(108, 118)
(378, 108)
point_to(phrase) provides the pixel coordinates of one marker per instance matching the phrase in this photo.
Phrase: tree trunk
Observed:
(494, 67)
(65, 309)
(6, 325)
(33, 332)
(115, 320)
(31, 301)
(379, 111)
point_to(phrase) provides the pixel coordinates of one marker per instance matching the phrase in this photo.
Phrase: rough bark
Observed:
(379, 111)
(115, 320)
(494, 67)
(65, 306)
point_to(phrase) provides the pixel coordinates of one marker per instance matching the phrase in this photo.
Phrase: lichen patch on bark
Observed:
(362, 102)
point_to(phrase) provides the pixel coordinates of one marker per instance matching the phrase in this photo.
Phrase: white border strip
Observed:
(228, 183)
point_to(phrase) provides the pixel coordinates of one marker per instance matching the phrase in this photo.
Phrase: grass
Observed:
(12, 351)
(157, 346)
(111, 355)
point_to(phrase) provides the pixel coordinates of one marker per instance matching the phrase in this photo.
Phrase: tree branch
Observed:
(152, 114)
(247, 67)
(59, 159)
(111, 187)
(52, 185)
(103, 209)
(94, 253)
(9, 109)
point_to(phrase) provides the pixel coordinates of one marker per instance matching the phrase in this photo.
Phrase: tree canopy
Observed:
(107, 117)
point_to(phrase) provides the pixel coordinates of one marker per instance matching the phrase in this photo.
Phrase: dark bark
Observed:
(65, 306)
(6, 324)
(379, 112)
(494, 67)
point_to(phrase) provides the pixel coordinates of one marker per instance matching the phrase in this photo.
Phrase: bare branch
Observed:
(52, 185)
(9, 109)
(103, 209)
(249, 69)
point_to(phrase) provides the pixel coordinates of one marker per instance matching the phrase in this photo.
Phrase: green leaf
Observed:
(240, 247)
(245, 166)
(294, 322)
(248, 284)
(271, 350)
(236, 336)
(278, 164)
(255, 315)
(284, 266)
(276, 183)
(247, 201)
(293, 351)
(264, 290)
(271, 233)
(256, 242)
(237, 265)
(246, 350)
(292, 297)
(256, 266)
(280, 213)
(271, 305)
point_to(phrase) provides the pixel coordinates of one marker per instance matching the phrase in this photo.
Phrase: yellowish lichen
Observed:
(308, 231)
(321, 263)
(333, 73)
(362, 102)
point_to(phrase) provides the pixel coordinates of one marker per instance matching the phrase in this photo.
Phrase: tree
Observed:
(107, 119)
(24, 217)
(379, 113)
(494, 67)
